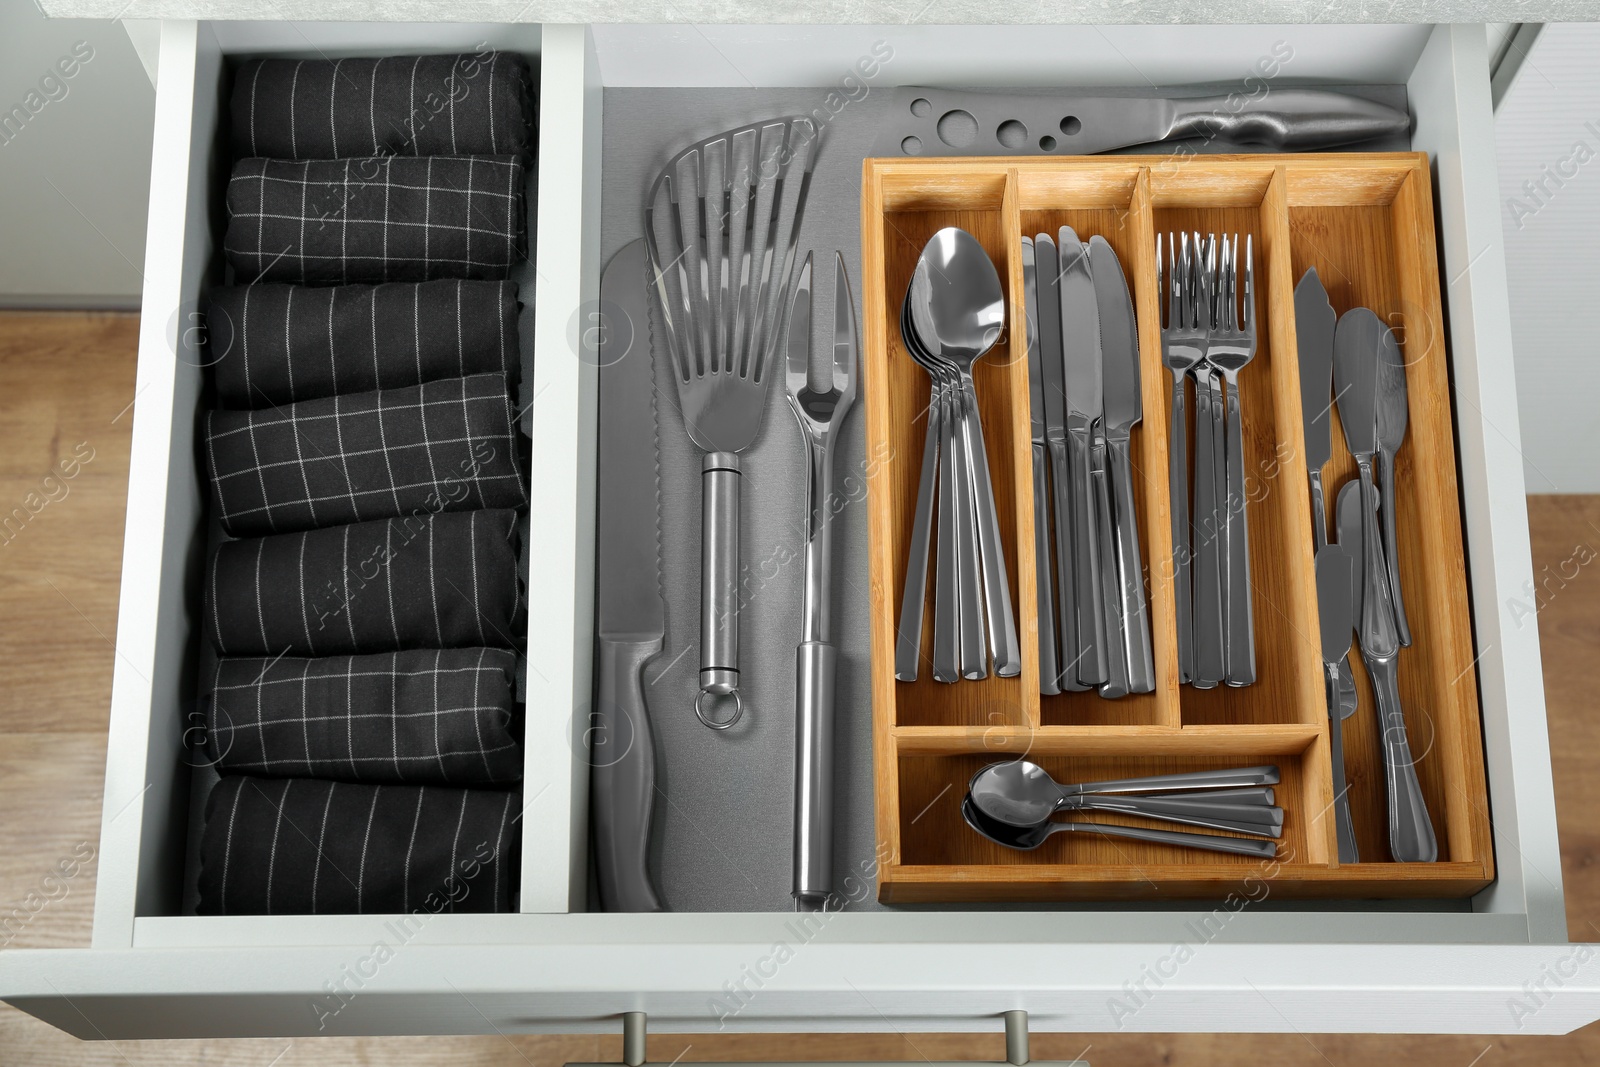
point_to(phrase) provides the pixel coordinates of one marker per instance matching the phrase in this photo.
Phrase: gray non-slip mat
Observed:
(722, 833)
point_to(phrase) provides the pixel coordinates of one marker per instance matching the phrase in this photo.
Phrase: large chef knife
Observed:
(1119, 351)
(1047, 270)
(953, 122)
(1049, 670)
(1314, 321)
(630, 615)
(1081, 371)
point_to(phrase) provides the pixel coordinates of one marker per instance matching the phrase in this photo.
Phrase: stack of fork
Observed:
(1209, 336)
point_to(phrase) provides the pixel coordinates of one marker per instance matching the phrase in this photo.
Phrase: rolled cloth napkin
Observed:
(448, 445)
(299, 846)
(276, 344)
(424, 581)
(456, 105)
(376, 219)
(425, 717)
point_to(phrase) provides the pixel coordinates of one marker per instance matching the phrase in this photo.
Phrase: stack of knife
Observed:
(1083, 386)
(1354, 361)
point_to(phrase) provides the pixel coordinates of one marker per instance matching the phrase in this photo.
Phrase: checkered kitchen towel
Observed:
(442, 717)
(296, 846)
(474, 104)
(376, 219)
(276, 344)
(424, 581)
(448, 445)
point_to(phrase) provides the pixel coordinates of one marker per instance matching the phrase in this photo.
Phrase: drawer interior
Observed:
(942, 731)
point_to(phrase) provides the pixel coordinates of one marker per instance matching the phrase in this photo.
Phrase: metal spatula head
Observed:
(722, 222)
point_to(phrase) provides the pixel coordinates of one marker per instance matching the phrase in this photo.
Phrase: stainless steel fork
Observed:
(1183, 348)
(820, 413)
(1231, 346)
(1210, 633)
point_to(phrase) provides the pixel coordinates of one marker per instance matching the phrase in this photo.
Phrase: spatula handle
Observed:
(720, 480)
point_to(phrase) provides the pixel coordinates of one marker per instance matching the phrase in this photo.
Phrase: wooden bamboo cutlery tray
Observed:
(1365, 223)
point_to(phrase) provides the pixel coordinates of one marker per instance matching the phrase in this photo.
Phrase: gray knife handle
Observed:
(719, 577)
(1049, 669)
(814, 663)
(1116, 659)
(1244, 846)
(1411, 837)
(1066, 592)
(622, 776)
(969, 558)
(1091, 667)
(1391, 548)
(1187, 781)
(1319, 511)
(1241, 643)
(908, 639)
(1210, 660)
(1130, 571)
(998, 616)
(1344, 825)
(1178, 485)
(1377, 631)
(1287, 119)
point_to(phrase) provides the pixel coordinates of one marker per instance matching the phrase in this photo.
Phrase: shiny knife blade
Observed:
(1119, 340)
(1035, 368)
(1348, 519)
(629, 608)
(1048, 271)
(1356, 341)
(628, 514)
(1314, 323)
(1080, 329)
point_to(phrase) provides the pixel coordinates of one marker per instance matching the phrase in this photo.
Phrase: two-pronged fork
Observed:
(1231, 345)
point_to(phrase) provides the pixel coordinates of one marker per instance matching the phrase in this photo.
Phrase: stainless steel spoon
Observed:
(1032, 837)
(958, 311)
(1023, 793)
(1192, 809)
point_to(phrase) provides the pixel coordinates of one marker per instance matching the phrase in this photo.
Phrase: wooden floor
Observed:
(66, 386)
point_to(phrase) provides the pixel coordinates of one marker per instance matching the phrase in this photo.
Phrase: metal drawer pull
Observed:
(633, 1051)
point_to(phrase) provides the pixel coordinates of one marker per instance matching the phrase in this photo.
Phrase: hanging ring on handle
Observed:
(719, 724)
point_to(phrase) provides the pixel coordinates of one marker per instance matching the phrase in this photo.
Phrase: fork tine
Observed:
(1226, 315)
(844, 344)
(799, 355)
(1249, 287)
(1183, 282)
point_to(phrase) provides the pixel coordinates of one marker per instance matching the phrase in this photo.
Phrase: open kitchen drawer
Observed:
(1498, 962)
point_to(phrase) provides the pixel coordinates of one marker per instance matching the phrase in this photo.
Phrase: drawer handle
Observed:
(1016, 1022)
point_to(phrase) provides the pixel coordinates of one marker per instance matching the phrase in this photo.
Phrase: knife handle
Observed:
(1111, 609)
(1091, 667)
(1287, 119)
(1066, 592)
(1178, 488)
(1411, 838)
(1391, 548)
(1319, 511)
(1045, 600)
(1130, 571)
(720, 480)
(1344, 826)
(622, 775)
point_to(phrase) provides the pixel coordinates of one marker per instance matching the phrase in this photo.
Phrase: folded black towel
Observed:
(448, 445)
(297, 846)
(454, 105)
(425, 717)
(376, 219)
(276, 344)
(424, 581)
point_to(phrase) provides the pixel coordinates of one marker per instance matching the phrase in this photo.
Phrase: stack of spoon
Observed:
(1011, 804)
(954, 312)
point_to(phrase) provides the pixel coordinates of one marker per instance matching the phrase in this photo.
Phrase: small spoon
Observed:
(958, 310)
(1022, 793)
(1030, 838)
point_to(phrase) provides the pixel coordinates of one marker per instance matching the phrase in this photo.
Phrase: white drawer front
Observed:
(1396, 967)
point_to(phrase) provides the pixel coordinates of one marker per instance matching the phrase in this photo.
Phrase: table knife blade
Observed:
(629, 607)
(1082, 373)
(1314, 324)
(1047, 268)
